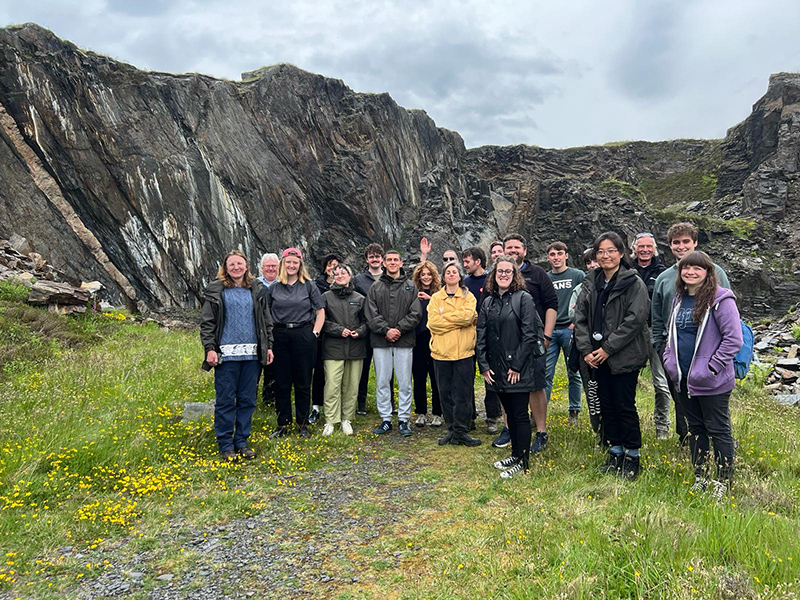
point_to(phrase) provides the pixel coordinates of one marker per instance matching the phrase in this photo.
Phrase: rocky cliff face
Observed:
(144, 180)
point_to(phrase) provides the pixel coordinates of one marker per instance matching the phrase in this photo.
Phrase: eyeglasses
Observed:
(644, 234)
(610, 252)
(504, 271)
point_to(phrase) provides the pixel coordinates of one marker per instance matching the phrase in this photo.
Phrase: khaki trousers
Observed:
(341, 389)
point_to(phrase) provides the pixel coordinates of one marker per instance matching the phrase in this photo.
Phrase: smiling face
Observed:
(470, 265)
(269, 269)
(341, 276)
(449, 256)
(693, 276)
(292, 265)
(393, 263)
(503, 275)
(516, 249)
(236, 267)
(644, 249)
(608, 255)
(426, 278)
(332, 264)
(682, 245)
(374, 261)
(451, 276)
(495, 251)
(557, 259)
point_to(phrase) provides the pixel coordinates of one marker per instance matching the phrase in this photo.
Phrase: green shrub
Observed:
(13, 290)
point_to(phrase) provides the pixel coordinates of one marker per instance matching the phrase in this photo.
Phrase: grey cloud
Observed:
(139, 8)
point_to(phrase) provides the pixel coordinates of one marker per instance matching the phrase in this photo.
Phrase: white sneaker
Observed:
(347, 429)
(720, 490)
(700, 484)
(421, 421)
(436, 421)
(328, 429)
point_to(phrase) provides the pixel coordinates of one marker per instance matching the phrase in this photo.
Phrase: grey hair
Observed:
(267, 256)
(633, 247)
(345, 267)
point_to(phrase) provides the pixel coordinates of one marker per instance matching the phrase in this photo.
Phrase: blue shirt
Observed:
(687, 334)
(239, 339)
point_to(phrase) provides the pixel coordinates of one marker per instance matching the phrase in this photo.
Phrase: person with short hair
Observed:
(393, 311)
(495, 252)
(343, 349)
(704, 336)
(612, 338)
(682, 239)
(426, 279)
(545, 299)
(451, 321)
(236, 332)
(565, 279)
(373, 256)
(298, 315)
(323, 283)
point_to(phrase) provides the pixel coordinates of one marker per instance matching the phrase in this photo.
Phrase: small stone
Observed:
(793, 351)
(136, 575)
(192, 411)
(165, 577)
(761, 346)
(789, 363)
(788, 399)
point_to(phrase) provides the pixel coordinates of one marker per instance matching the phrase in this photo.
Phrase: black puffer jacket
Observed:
(213, 319)
(507, 342)
(625, 332)
(344, 309)
(393, 303)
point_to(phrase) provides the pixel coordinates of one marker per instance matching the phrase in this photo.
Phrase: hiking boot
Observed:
(362, 407)
(304, 432)
(328, 429)
(630, 468)
(467, 440)
(404, 429)
(421, 421)
(347, 428)
(612, 464)
(700, 484)
(384, 427)
(279, 432)
(443, 441)
(314, 416)
(573, 417)
(720, 490)
(227, 456)
(472, 426)
(521, 468)
(503, 440)
(437, 421)
(492, 427)
(246, 453)
(506, 463)
(539, 442)
(662, 434)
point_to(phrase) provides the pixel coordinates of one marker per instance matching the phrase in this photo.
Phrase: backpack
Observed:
(516, 308)
(743, 358)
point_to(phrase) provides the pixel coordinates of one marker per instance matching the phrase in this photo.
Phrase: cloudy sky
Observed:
(555, 73)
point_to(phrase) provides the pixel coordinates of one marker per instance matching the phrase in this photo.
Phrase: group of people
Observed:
(510, 319)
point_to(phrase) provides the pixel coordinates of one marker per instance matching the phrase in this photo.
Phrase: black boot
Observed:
(362, 406)
(612, 464)
(630, 468)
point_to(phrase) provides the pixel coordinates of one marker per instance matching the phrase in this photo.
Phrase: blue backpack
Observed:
(743, 358)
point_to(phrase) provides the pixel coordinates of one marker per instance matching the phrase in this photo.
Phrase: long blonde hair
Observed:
(302, 273)
(416, 276)
(225, 278)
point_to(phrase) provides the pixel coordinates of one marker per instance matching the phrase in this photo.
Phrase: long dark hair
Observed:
(614, 238)
(704, 297)
(517, 280)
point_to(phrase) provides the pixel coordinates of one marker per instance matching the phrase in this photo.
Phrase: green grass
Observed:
(92, 454)
(679, 188)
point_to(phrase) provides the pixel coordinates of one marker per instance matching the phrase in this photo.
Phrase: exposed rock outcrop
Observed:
(144, 180)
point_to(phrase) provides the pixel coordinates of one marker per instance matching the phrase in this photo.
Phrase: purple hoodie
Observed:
(719, 338)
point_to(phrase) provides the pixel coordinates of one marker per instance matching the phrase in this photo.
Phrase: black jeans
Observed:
(318, 382)
(455, 381)
(681, 422)
(295, 353)
(618, 407)
(709, 416)
(268, 381)
(519, 424)
(421, 368)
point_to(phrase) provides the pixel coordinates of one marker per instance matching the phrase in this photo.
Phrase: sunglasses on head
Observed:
(644, 234)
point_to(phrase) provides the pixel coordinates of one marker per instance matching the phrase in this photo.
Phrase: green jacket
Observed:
(661, 308)
(213, 319)
(393, 303)
(344, 309)
(625, 333)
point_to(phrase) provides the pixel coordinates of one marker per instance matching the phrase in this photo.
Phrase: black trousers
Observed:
(491, 402)
(318, 383)
(618, 407)
(709, 416)
(519, 424)
(455, 381)
(268, 383)
(295, 353)
(681, 421)
(421, 368)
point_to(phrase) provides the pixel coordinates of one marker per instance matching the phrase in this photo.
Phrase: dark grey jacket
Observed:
(344, 309)
(393, 303)
(507, 342)
(213, 319)
(625, 332)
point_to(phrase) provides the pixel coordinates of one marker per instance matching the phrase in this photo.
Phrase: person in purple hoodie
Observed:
(704, 336)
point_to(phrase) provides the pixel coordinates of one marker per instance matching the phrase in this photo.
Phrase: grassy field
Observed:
(93, 456)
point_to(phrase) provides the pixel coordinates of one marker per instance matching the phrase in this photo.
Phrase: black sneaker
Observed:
(630, 468)
(279, 432)
(574, 417)
(246, 453)
(304, 432)
(443, 441)
(539, 442)
(472, 426)
(503, 440)
(506, 463)
(313, 417)
(384, 427)
(362, 406)
(520, 468)
(467, 440)
(228, 456)
(404, 429)
(612, 464)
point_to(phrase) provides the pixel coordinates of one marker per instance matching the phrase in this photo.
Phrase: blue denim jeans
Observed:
(236, 385)
(560, 345)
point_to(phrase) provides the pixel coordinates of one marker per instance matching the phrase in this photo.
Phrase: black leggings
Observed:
(519, 424)
(295, 352)
(618, 407)
(709, 416)
(422, 368)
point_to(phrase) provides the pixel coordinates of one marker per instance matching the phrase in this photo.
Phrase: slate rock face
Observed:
(144, 180)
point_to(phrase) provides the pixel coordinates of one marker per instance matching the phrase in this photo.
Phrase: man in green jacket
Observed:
(682, 239)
